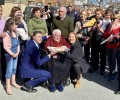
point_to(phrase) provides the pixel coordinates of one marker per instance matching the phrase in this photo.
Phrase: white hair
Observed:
(64, 8)
(56, 31)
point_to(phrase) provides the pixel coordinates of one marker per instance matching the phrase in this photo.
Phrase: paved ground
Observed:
(93, 87)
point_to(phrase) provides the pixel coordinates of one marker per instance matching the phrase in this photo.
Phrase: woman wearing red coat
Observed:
(112, 32)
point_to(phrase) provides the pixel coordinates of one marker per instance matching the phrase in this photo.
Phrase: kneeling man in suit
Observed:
(31, 61)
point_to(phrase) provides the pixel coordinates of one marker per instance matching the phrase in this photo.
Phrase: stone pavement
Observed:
(93, 87)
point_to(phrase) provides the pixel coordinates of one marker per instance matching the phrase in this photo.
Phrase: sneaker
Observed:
(60, 87)
(29, 88)
(52, 88)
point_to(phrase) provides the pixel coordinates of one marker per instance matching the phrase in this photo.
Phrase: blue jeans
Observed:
(11, 65)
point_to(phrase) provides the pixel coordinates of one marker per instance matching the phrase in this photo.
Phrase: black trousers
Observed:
(98, 51)
(87, 51)
(77, 69)
(3, 64)
(59, 69)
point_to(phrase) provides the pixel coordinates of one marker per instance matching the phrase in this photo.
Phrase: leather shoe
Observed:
(117, 92)
(29, 88)
(52, 88)
(60, 87)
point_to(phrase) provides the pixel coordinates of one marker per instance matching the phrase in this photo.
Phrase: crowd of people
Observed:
(83, 41)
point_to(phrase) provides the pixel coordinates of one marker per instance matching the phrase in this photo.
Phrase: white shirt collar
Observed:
(36, 44)
(63, 17)
(106, 20)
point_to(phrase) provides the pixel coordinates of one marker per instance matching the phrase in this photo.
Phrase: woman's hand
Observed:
(101, 29)
(54, 57)
(3, 35)
(48, 36)
(110, 38)
(117, 36)
(15, 55)
(52, 53)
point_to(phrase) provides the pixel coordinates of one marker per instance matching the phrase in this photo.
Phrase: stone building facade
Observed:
(45, 2)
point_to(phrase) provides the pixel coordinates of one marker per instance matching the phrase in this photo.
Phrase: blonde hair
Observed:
(116, 16)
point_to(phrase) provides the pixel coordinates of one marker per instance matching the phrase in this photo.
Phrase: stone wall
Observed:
(17, 1)
(8, 6)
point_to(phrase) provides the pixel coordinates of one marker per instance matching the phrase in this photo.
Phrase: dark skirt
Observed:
(60, 69)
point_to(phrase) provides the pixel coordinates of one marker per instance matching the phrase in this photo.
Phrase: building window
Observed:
(39, 3)
(49, 4)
